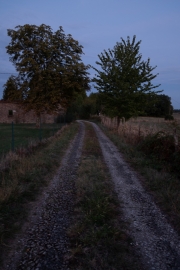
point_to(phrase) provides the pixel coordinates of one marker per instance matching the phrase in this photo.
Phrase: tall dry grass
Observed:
(136, 129)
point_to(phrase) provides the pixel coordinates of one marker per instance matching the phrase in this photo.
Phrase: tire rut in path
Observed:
(45, 242)
(156, 242)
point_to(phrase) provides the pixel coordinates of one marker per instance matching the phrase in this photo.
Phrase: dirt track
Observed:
(156, 242)
(44, 242)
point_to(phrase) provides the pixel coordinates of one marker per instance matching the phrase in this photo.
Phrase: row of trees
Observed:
(160, 106)
(51, 73)
(84, 107)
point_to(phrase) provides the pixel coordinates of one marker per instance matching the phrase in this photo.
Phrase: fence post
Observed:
(176, 140)
(54, 129)
(40, 134)
(12, 142)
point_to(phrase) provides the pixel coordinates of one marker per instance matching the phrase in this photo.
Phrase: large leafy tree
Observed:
(124, 80)
(51, 72)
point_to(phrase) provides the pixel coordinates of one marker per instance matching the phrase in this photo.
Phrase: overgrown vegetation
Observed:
(24, 176)
(161, 148)
(98, 236)
(157, 159)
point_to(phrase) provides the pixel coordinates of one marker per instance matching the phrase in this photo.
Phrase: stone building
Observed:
(12, 112)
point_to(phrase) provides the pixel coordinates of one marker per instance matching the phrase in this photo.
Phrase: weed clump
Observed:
(169, 117)
(162, 149)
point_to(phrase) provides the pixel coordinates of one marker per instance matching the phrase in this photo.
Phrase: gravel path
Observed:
(45, 242)
(155, 240)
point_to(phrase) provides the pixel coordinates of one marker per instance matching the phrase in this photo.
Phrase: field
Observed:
(155, 137)
(20, 135)
(152, 125)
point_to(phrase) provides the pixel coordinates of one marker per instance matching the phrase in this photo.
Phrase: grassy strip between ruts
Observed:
(24, 179)
(164, 186)
(98, 236)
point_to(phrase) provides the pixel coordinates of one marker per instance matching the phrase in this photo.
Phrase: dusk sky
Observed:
(98, 25)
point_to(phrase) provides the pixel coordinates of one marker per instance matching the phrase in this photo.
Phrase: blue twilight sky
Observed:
(98, 25)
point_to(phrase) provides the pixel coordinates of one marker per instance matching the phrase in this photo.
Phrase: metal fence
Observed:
(13, 136)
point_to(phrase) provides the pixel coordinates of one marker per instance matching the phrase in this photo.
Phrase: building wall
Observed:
(12, 112)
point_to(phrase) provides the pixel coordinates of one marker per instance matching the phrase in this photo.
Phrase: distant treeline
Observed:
(176, 111)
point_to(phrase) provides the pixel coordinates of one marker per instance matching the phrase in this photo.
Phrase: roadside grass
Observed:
(177, 118)
(24, 178)
(24, 134)
(98, 235)
(158, 168)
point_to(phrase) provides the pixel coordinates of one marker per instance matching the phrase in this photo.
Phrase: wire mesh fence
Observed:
(14, 136)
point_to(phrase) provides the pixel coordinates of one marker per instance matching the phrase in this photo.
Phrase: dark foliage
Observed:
(161, 148)
(159, 106)
(50, 68)
(124, 79)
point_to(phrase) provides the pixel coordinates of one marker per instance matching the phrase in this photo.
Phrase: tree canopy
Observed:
(160, 106)
(51, 72)
(124, 80)
(11, 89)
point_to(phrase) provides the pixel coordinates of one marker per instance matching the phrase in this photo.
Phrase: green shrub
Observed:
(159, 144)
(176, 162)
(161, 148)
(169, 117)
